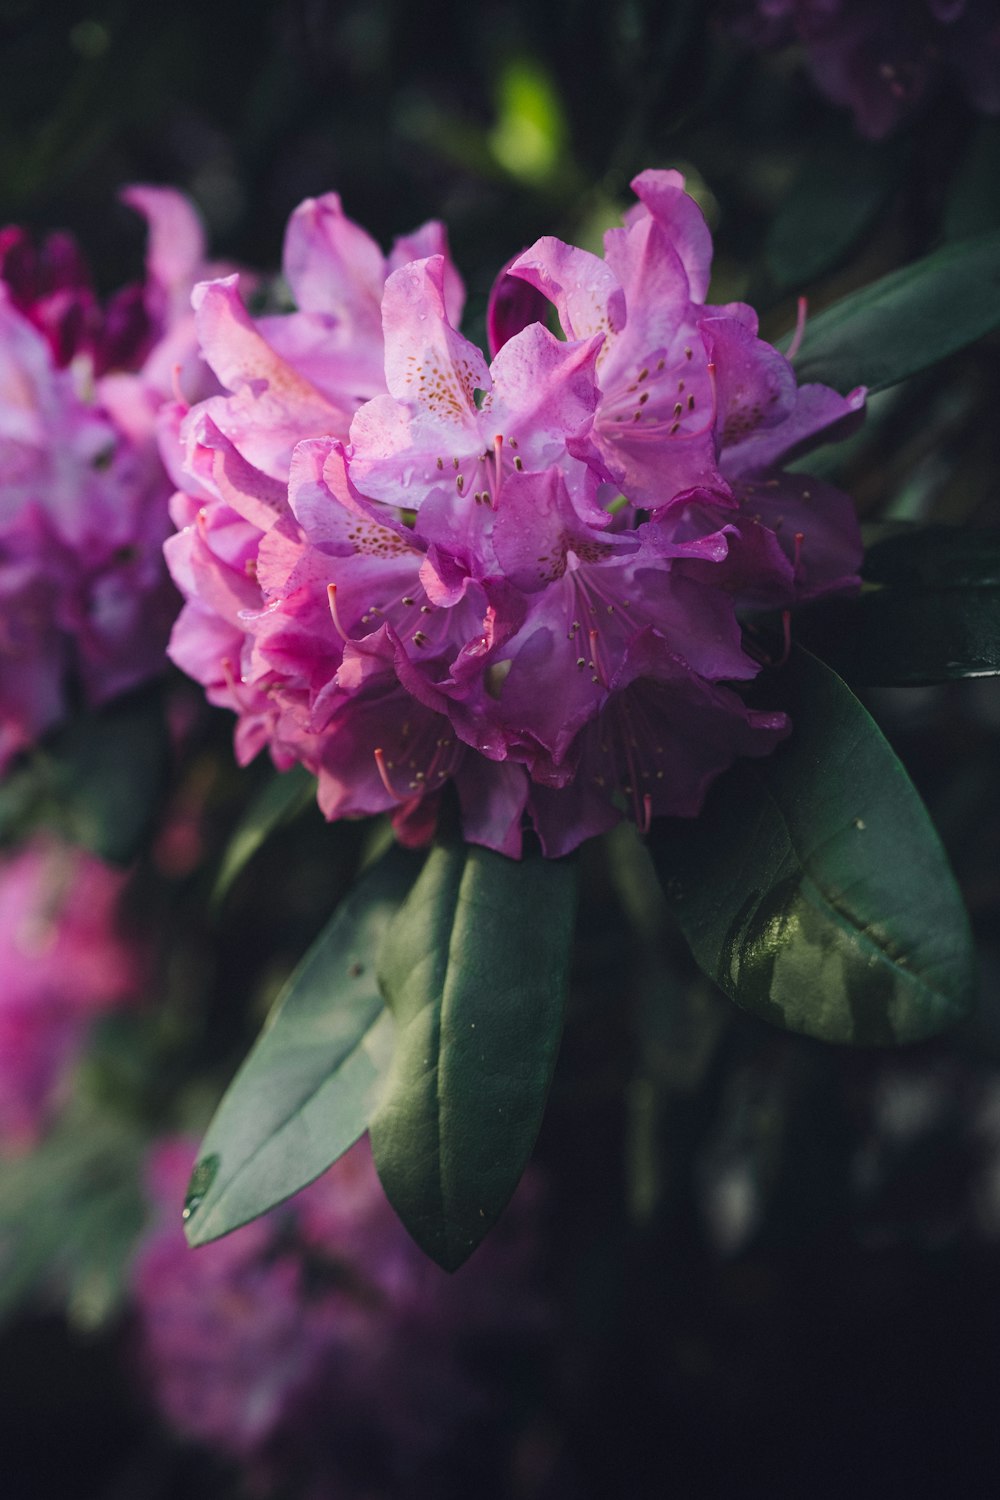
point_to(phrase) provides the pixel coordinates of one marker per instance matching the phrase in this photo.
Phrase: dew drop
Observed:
(202, 1178)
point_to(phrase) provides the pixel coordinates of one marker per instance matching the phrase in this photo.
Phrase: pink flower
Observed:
(319, 1340)
(285, 378)
(522, 579)
(63, 961)
(883, 60)
(691, 397)
(83, 515)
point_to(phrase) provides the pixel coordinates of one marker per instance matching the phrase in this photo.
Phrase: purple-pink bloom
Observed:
(319, 1340)
(65, 959)
(527, 578)
(87, 603)
(883, 58)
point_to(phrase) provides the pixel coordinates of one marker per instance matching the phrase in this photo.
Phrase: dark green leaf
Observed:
(283, 797)
(813, 888)
(307, 1090)
(839, 192)
(908, 320)
(907, 638)
(936, 557)
(474, 968)
(935, 616)
(973, 202)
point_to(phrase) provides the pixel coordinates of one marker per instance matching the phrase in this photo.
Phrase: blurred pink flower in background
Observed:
(883, 58)
(319, 1341)
(86, 601)
(64, 960)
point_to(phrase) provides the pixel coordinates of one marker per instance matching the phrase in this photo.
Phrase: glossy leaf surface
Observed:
(813, 888)
(934, 615)
(909, 638)
(474, 968)
(908, 320)
(308, 1089)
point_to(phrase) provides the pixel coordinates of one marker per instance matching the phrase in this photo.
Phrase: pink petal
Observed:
(663, 196)
(585, 292)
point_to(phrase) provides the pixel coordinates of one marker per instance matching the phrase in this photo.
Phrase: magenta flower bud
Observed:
(512, 306)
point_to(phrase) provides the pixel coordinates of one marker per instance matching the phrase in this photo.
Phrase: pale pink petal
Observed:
(431, 239)
(175, 253)
(662, 195)
(583, 289)
(332, 265)
(427, 361)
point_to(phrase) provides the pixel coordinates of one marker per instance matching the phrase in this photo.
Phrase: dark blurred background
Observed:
(774, 1265)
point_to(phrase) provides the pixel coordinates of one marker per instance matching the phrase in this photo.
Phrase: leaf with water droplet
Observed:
(202, 1177)
(791, 912)
(310, 1085)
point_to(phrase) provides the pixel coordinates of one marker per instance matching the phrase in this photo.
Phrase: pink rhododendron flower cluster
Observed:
(85, 598)
(64, 959)
(319, 1340)
(882, 58)
(405, 567)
